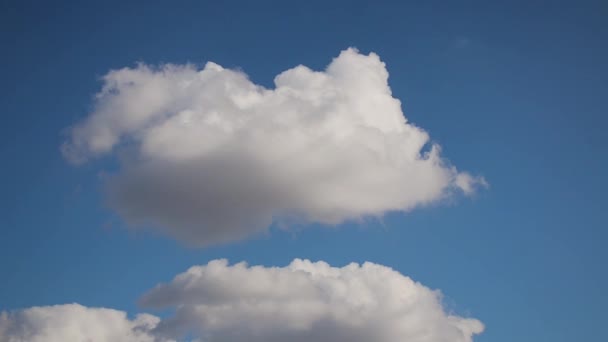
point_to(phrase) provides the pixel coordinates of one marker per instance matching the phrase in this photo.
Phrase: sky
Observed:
(458, 145)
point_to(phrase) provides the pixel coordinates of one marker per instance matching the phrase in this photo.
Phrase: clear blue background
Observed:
(514, 90)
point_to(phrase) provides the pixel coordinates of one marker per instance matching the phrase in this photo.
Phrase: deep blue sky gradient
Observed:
(514, 90)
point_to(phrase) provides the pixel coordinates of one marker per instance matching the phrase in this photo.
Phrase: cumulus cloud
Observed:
(305, 301)
(75, 323)
(208, 156)
(301, 302)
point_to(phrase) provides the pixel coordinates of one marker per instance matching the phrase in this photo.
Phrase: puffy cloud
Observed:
(305, 302)
(301, 302)
(75, 323)
(208, 156)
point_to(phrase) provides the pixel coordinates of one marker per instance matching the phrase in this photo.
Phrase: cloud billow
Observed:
(207, 156)
(75, 323)
(302, 302)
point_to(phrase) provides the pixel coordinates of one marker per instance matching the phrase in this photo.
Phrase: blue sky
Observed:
(514, 91)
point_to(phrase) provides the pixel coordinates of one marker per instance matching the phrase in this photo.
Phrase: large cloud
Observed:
(208, 156)
(302, 302)
(305, 301)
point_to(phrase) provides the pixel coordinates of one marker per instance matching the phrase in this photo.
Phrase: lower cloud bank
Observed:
(304, 301)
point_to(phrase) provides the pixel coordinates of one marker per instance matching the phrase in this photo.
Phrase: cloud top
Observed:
(209, 157)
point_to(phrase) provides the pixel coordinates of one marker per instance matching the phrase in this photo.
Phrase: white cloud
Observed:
(208, 156)
(305, 301)
(75, 323)
(301, 302)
